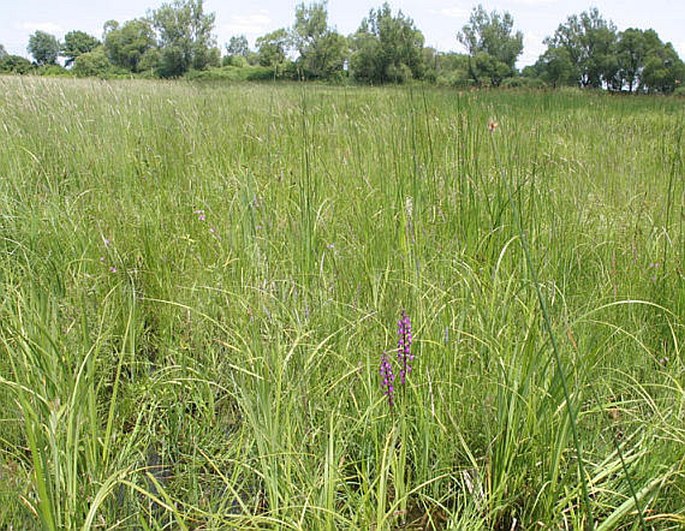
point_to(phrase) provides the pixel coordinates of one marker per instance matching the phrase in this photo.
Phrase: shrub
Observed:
(523, 83)
(15, 64)
(53, 71)
(93, 64)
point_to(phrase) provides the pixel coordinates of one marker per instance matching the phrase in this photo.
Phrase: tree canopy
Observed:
(131, 46)
(492, 45)
(645, 63)
(77, 43)
(387, 48)
(238, 46)
(588, 41)
(586, 50)
(272, 48)
(44, 48)
(185, 37)
(15, 64)
(322, 51)
(92, 64)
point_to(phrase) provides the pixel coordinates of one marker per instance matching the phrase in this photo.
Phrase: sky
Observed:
(438, 20)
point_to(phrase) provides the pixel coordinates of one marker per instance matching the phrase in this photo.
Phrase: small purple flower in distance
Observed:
(404, 340)
(200, 215)
(387, 379)
(112, 269)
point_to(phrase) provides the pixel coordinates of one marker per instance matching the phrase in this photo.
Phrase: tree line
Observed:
(177, 39)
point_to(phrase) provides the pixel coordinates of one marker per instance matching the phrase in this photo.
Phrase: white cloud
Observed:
(48, 27)
(535, 3)
(452, 12)
(255, 23)
(532, 48)
(680, 48)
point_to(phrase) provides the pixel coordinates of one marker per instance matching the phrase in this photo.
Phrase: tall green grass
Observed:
(164, 367)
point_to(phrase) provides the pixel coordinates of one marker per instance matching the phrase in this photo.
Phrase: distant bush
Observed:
(234, 60)
(456, 79)
(53, 71)
(680, 91)
(523, 83)
(15, 64)
(93, 64)
(232, 73)
(261, 73)
(224, 73)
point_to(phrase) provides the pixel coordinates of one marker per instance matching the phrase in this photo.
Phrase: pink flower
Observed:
(387, 379)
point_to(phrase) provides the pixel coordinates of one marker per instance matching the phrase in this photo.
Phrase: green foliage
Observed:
(273, 47)
(234, 60)
(326, 58)
(322, 51)
(631, 51)
(238, 46)
(588, 42)
(556, 68)
(663, 70)
(3, 52)
(185, 37)
(193, 313)
(588, 51)
(387, 48)
(242, 72)
(525, 83)
(15, 64)
(77, 43)
(131, 46)
(311, 23)
(52, 71)
(93, 64)
(492, 45)
(44, 48)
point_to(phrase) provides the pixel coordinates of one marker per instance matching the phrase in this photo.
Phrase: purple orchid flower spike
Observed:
(387, 379)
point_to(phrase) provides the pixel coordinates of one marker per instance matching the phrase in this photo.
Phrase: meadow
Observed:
(198, 282)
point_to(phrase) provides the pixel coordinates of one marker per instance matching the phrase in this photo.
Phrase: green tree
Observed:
(185, 37)
(3, 52)
(387, 48)
(631, 50)
(589, 41)
(663, 70)
(92, 64)
(492, 45)
(322, 51)
(44, 48)
(77, 43)
(449, 68)
(238, 52)
(108, 26)
(15, 64)
(238, 46)
(556, 68)
(645, 63)
(272, 48)
(131, 46)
